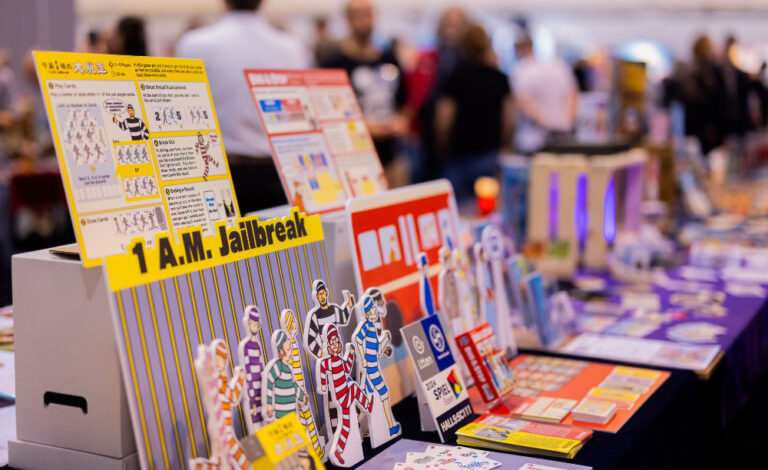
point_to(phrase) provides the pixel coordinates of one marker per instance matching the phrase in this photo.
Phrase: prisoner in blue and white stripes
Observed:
(373, 343)
(368, 338)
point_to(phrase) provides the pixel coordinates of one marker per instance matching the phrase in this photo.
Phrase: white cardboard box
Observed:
(71, 408)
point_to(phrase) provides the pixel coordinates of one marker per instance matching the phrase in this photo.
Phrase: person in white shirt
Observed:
(243, 39)
(547, 97)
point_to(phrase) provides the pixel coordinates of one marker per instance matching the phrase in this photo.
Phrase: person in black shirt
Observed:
(377, 79)
(474, 116)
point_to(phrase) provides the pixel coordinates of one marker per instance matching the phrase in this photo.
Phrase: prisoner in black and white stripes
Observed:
(133, 125)
(323, 314)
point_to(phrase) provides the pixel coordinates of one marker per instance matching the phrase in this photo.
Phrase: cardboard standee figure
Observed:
(290, 325)
(467, 292)
(484, 287)
(425, 288)
(322, 314)
(252, 360)
(448, 293)
(220, 396)
(493, 247)
(454, 304)
(325, 313)
(373, 343)
(282, 394)
(334, 371)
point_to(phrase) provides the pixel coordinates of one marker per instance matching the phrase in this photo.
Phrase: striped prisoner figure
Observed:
(282, 393)
(373, 344)
(325, 313)
(344, 391)
(223, 397)
(290, 325)
(133, 125)
(203, 148)
(252, 361)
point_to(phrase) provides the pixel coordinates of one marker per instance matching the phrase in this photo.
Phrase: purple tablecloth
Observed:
(744, 344)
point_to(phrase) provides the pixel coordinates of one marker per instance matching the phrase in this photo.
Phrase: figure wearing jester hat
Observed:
(290, 325)
(282, 393)
(345, 392)
(220, 396)
(374, 343)
(252, 360)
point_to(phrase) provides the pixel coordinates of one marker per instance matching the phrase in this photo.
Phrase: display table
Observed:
(653, 438)
(743, 358)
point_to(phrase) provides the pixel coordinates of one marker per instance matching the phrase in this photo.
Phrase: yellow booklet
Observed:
(507, 434)
(281, 445)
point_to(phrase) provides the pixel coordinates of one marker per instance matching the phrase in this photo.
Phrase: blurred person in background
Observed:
(699, 89)
(425, 84)
(129, 37)
(546, 95)
(8, 96)
(473, 119)
(325, 45)
(377, 78)
(736, 84)
(95, 42)
(243, 39)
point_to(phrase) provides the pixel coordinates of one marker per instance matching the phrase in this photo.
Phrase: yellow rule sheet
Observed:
(138, 145)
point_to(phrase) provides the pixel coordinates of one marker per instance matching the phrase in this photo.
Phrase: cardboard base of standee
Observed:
(32, 455)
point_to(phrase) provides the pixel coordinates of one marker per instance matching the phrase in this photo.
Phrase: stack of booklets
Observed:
(497, 432)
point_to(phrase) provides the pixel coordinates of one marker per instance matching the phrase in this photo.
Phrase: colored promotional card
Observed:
(231, 291)
(486, 362)
(440, 384)
(282, 444)
(138, 145)
(553, 390)
(643, 351)
(319, 140)
(387, 232)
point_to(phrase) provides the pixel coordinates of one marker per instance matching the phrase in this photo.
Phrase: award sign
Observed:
(443, 401)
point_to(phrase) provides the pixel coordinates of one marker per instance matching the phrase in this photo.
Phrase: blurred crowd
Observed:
(720, 100)
(445, 111)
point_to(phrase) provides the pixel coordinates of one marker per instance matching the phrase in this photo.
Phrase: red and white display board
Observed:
(320, 143)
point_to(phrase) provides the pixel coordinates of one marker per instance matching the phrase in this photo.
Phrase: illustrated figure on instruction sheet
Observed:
(203, 148)
(132, 124)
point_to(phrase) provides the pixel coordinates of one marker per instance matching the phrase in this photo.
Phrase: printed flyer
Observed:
(440, 385)
(138, 145)
(643, 351)
(320, 143)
